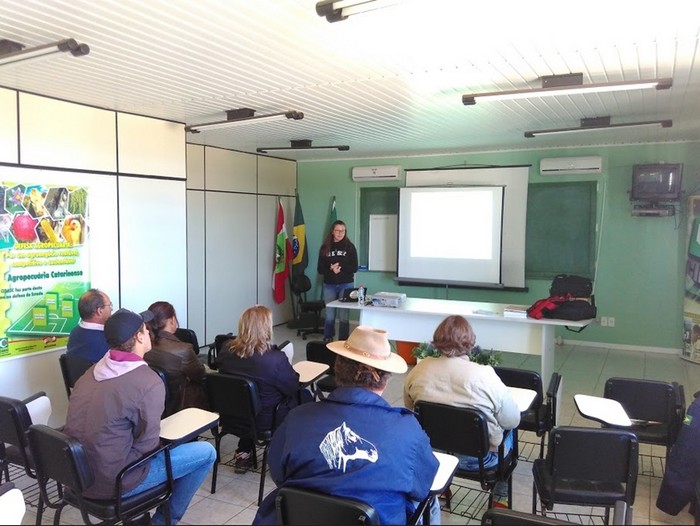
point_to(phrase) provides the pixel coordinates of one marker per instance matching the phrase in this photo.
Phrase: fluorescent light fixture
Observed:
(568, 84)
(337, 10)
(302, 144)
(13, 52)
(244, 116)
(599, 123)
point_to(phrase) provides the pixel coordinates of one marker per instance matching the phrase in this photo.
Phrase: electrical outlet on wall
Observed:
(604, 321)
(611, 322)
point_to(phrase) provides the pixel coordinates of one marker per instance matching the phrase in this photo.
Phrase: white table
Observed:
(523, 397)
(416, 319)
(604, 410)
(447, 468)
(187, 424)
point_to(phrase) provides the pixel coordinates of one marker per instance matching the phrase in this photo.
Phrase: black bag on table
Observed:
(573, 310)
(568, 285)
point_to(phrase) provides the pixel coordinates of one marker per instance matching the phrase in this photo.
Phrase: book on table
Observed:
(515, 311)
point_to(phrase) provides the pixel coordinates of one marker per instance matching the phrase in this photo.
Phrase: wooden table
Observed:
(603, 410)
(416, 319)
(187, 424)
(309, 371)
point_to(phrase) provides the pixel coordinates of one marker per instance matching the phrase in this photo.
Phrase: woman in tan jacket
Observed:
(184, 370)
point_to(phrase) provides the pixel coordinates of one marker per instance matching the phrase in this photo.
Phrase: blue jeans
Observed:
(331, 293)
(190, 462)
(467, 463)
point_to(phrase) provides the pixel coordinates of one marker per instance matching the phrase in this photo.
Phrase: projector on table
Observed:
(388, 299)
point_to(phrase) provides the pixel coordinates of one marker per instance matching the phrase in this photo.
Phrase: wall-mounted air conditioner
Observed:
(571, 165)
(375, 173)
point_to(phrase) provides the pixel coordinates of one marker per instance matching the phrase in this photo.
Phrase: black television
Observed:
(656, 182)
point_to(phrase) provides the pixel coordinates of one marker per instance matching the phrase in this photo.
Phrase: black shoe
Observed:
(242, 462)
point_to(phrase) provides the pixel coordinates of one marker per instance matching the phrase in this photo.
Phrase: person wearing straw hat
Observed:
(353, 443)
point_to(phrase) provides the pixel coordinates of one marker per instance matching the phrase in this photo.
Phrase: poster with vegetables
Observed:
(44, 264)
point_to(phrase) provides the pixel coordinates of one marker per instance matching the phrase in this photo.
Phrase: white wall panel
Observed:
(231, 260)
(195, 166)
(228, 170)
(151, 146)
(8, 126)
(276, 176)
(66, 135)
(195, 264)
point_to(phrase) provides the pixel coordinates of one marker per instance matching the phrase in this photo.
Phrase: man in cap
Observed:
(114, 411)
(354, 444)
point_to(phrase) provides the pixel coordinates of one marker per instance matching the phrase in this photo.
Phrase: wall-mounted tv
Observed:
(656, 182)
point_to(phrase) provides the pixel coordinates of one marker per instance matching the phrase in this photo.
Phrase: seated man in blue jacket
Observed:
(683, 467)
(87, 339)
(354, 444)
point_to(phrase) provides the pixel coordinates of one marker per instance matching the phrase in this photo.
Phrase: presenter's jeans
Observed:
(332, 293)
(190, 462)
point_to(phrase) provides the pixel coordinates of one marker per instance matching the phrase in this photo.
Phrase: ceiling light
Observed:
(337, 10)
(599, 123)
(301, 144)
(568, 84)
(13, 52)
(243, 116)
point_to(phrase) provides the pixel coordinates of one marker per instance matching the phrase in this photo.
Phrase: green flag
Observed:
(299, 248)
(333, 217)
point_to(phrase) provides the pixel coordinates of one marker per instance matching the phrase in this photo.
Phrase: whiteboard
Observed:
(382, 242)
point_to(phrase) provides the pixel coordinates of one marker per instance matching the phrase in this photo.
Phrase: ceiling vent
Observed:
(376, 173)
(571, 165)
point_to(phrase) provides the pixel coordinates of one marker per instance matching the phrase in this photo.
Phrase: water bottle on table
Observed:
(361, 295)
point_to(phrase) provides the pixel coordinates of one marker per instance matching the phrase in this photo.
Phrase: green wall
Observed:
(641, 260)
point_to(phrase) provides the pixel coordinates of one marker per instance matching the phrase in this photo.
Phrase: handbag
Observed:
(569, 285)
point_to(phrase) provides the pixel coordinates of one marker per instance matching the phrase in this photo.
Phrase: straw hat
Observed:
(370, 346)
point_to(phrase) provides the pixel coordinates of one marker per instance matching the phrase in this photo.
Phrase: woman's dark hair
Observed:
(454, 337)
(326, 246)
(349, 373)
(162, 312)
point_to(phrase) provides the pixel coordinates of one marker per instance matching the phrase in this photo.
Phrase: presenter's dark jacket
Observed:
(184, 371)
(272, 373)
(343, 252)
(683, 467)
(353, 444)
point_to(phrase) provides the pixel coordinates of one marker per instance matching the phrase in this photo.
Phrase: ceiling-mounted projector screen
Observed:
(451, 235)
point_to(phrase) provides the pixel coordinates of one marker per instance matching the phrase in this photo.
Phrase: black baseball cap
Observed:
(123, 324)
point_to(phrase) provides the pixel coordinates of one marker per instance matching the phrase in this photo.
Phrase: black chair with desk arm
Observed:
(587, 467)
(72, 368)
(542, 415)
(188, 336)
(237, 401)
(15, 421)
(464, 431)
(316, 351)
(62, 459)
(215, 349)
(296, 506)
(307, 315)
(169, 408)
(656, 408)
(504, 517)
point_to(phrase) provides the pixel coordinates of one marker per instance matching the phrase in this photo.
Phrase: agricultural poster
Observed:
(691, 300)
(44, 264)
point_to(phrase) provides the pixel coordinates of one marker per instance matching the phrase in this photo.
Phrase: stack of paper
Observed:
(515, 311)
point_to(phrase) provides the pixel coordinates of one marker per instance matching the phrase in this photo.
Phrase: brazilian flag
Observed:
(299, 248)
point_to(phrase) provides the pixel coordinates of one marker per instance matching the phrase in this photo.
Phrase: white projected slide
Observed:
(451, 235)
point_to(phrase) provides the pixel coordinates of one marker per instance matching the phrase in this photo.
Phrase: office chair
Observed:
(62, 458)
(308, 318)
(170, 404)
(505, 517)
(237, 401)
(215, 349)
(303, 506)
(72, 368)
(316, 351)
(586, 467)
(464, 431)
(656, 408)
(540, 418)
(188, 336)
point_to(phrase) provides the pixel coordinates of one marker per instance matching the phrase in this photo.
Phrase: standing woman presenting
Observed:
(337, 263)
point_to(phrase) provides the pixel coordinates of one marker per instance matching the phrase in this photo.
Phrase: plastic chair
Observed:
(72, 368)
(237, 401)
(656, 408)
(504, 517)
(587, 467)
(308, 318)
(188, 336)
(62, 458)
(170, 404)
(316, 351)
(215, 349)
(303, 506)
(12, 505)
(464, 431)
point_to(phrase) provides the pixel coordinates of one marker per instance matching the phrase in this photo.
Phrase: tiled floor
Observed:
(584, 370)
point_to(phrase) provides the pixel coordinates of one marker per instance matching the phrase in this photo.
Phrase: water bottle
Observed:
(361, 295)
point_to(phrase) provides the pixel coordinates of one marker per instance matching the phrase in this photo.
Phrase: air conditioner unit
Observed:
(375, 173)
(571, 165)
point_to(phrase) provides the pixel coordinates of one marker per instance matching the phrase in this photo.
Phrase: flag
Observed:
(299, 249)
(283, 253)
(334, 215)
